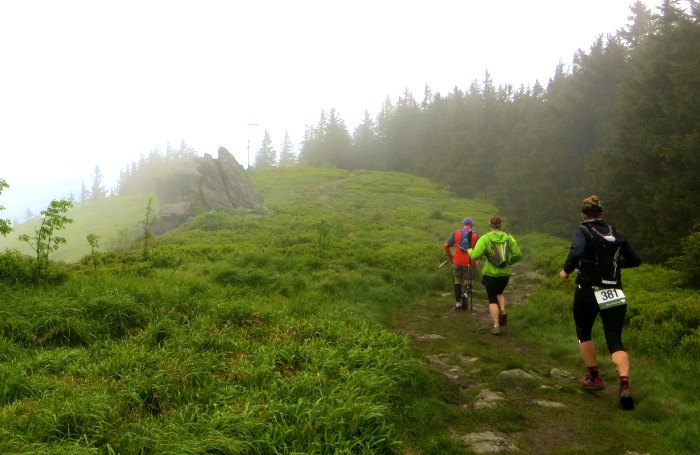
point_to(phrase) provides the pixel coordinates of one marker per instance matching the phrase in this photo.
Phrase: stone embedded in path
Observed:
(549, 404)
(549, 387)
(556, 373)
(431, 336)
(488, 442)
(442, 362)
(466, 359)
(516, 373)
(487, 399)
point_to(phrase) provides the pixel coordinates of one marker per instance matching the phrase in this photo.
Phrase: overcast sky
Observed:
(98, 83)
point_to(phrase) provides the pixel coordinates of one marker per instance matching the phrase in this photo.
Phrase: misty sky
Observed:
(86, 83)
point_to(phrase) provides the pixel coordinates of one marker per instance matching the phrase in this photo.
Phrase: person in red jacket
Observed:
(464, 267)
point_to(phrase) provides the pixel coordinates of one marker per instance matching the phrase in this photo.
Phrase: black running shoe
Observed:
(626, 401)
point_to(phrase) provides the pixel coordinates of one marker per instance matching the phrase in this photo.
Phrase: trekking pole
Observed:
(471, 291)
(471, 301)
(443, 263)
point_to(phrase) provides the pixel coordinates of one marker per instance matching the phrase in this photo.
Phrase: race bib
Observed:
(608, 298)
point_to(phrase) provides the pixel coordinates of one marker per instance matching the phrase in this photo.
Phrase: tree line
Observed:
(623, 122)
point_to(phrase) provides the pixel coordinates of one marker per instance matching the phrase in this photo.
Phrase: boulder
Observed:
(208, 184)
(223, 184)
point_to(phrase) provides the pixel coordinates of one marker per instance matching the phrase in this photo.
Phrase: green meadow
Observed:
(276, 334)
(115, 221)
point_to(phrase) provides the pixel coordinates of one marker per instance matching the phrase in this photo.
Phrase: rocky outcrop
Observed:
(208, 184)
(223, 184)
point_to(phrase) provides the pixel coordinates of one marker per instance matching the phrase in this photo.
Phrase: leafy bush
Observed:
(16, 268)
(663, 322)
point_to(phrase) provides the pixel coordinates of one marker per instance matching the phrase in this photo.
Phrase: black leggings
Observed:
(585, 311)
(495, 285)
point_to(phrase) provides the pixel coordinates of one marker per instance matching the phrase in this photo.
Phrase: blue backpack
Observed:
(465, 239)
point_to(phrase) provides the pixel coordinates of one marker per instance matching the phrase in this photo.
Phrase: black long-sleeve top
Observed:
(582, 256)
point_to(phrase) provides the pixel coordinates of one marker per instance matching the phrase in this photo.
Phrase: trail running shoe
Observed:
(589, 383)
(496, 330)
(502, 319)
(626, 401)
(459, 307)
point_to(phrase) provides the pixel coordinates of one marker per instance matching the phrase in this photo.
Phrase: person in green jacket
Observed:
(495, 277)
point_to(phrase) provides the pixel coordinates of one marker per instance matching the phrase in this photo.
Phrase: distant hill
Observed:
(115, 220)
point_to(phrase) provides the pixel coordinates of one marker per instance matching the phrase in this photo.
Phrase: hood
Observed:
(498, 236)
(600, 225)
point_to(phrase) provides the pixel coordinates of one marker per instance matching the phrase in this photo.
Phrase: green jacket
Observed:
(484, 244)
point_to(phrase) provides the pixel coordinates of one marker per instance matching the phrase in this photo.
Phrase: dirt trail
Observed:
(514, 398)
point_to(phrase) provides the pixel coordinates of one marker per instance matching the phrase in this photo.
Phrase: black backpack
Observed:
(606, 247)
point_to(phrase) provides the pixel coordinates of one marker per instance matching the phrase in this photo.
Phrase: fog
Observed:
(88, 84)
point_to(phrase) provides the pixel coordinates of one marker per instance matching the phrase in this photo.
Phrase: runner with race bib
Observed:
(597, 253)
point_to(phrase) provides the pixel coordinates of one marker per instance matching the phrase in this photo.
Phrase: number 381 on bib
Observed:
(608, 298)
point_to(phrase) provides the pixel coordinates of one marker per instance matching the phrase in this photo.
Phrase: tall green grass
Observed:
(241, 334)
(248, 334)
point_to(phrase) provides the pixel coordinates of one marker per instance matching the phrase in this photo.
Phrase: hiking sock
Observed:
(624, 381)
(458, 292)
(593, 371)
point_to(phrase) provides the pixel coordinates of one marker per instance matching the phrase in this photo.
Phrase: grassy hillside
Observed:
(116, 221)
(247, 334)
(242, 334)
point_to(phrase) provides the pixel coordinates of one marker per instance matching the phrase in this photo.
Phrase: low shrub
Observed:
(16, 268)
(690, 345)
(688, 263)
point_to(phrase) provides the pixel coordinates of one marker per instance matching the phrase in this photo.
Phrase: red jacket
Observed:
(460, 257)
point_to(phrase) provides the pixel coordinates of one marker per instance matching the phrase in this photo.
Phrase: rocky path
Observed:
(510, 397)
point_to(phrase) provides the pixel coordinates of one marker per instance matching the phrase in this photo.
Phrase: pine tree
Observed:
(654, 140)
(312, 151)
(364, 142)
(337, 142)
(98, 191)
(287, 157)
(266, 155)
(84, 193)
